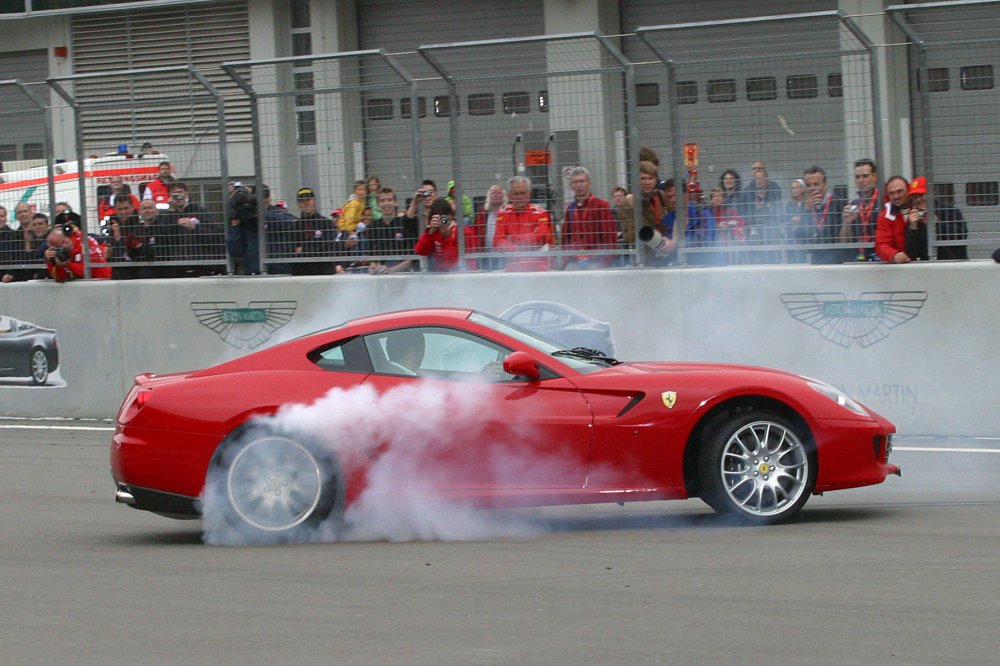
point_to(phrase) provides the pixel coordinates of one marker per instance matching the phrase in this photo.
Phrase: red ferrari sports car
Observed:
(486, 413)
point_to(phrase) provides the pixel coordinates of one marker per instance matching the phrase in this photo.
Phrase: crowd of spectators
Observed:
(166, 234)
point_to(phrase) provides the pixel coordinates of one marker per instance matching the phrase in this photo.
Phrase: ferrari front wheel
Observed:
(758, 466)
(271, 486)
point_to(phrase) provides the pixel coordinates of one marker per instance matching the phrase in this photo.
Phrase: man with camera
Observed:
(242, 237)
(64, 254)
(422, 197)
(901, 236)
(862, 213)
(827, 223)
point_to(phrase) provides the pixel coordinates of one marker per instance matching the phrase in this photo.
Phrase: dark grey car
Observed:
(27, 350)
(563, 324)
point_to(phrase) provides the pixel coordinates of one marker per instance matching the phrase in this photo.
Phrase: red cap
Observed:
(918, 186)
(339, 211)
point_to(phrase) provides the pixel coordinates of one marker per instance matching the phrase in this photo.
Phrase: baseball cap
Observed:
(338, 212)
(918, 186)
(305, 193)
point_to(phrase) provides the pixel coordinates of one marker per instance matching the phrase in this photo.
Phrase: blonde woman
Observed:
(485, 226)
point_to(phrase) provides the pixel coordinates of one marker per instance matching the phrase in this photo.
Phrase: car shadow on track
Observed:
(707, 520)
(537, 524)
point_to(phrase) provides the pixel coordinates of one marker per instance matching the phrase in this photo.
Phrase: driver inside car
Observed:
(405, 350)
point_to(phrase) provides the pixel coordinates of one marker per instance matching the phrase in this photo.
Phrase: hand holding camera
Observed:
(57, 254)
(437, 223)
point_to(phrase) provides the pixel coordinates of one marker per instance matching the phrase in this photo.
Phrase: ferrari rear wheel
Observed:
(757, 466)
(275, 486)
(39, 366)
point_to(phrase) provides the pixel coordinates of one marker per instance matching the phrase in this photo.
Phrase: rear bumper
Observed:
(157, 501)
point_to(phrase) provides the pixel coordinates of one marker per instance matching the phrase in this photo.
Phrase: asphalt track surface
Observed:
(903, 573)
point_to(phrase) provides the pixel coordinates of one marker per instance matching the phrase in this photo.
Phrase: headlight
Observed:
(838, 397)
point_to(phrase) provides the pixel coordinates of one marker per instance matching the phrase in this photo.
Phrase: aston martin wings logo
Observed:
(244, 326)
(865, 320)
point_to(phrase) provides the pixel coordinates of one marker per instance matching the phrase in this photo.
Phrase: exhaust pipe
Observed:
(123, 496)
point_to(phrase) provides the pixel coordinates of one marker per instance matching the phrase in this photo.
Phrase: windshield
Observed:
(584, 363)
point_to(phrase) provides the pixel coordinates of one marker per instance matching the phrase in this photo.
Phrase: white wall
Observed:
(933, 374)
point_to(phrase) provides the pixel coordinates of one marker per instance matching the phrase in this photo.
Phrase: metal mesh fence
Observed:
(737, 111)
(955, 52)
(352, 125)
(25, 192)
(156, 204)
(756, 104)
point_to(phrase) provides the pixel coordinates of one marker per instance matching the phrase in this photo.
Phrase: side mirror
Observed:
(521, 364)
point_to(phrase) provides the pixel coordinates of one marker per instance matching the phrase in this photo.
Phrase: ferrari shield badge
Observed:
(669, 398)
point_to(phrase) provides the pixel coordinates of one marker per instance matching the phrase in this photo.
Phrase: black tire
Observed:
(38, 366)
(272, 487)
(758, 466)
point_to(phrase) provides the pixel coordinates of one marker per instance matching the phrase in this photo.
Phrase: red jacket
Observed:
(590, 226)
(98, 263)
(158, 191)
(524, 230)
(890, 233)
(443, 251)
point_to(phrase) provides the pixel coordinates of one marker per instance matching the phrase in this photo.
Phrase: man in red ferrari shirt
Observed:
(588, 224)
(64, 254)
(523, 227)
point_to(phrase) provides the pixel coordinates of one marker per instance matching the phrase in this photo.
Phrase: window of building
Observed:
(516, 102)
(305, 125)
(835, 85)
(543, 101)
(687, 92)
(977, 77)
(8, 152)
(937, 79)
(762, 88)
(34, 151)
(985, 193)
(442, 106)
(301, 43)
(647, 94)
(304, 81)
(802, 86)
(943, 189)
(405, 111)
(482, 104)
(721, 90)
(379, 108)
(300, 14)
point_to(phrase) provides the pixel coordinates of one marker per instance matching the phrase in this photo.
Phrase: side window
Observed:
(343, 356)
(436, 352)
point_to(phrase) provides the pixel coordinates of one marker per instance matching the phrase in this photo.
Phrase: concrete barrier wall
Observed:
(917, 343)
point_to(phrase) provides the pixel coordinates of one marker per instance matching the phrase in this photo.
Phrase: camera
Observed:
(62, 254)
(242, 204)
(426, 194)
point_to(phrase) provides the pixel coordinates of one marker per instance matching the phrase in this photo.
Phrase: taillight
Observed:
(142, 397)
(134, 401)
